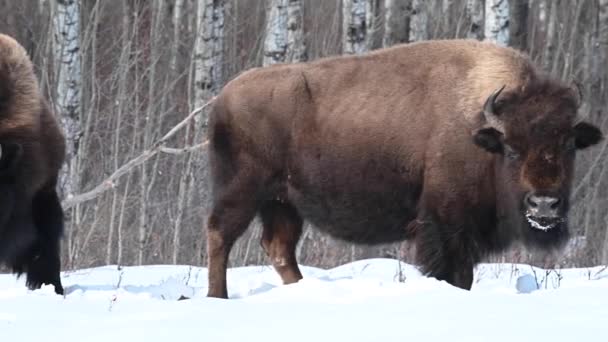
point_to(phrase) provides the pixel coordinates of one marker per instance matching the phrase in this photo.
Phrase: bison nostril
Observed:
(531, 201)
(543, 205)
(556, 202)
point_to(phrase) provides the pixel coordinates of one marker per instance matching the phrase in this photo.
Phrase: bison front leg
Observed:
(282, 230)
(43, 260)
(442, 253)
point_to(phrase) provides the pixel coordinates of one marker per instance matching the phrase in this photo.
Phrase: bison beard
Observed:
(31, 154)
(461, 146)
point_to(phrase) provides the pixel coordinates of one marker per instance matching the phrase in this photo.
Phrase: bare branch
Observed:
(158, 146)
(178, 151)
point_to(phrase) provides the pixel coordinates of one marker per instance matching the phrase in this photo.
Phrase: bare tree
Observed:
(419, 21)
(67, 69)
(66, 55)
(208, 49)
(551, 31)
(177, 26)
(602, 41)
(207, 79)
(518, 24)
(602, 88)
(497, 21)
(354, 26)
(396, 21)
(284, 41)
(475, 11)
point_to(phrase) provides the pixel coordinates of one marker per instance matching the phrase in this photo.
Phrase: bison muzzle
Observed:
(461, 146)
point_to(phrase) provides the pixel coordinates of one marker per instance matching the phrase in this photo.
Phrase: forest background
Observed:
(128, 80)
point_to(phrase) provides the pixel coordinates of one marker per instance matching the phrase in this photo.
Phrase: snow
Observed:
(368, 300)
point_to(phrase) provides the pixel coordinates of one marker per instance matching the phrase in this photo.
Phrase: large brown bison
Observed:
(31, 154)
(462, 146)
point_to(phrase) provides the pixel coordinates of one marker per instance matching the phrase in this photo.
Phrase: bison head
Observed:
(534, 135)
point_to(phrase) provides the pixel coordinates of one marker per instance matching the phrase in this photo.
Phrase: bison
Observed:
(31, 154)
(462, 146)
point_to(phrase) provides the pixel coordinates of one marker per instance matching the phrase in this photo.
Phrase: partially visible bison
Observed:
(462, 146)
(31, 154)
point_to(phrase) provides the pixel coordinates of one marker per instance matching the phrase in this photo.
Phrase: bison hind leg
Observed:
(43, 262)
(282, 230)
(236, 201)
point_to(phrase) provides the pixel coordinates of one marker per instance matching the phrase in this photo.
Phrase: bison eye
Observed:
(511, 153)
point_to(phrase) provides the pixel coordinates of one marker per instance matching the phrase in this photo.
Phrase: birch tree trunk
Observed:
(475, 12)
(208, 50)
(497, 21)
(66, 26)
(284, 41)
(518, 24)
(354, 26)
(419, 20)
(208, 57)
(396, 22)
(549, 50)
(66, 29)
(122, 93)
(447, 14)
(149, 125)
(177, 24)
(602, 39)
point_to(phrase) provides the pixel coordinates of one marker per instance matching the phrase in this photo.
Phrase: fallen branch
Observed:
(157, 146)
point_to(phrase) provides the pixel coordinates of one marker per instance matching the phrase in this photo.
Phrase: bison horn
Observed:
(580, 117)
(492, 119)
(577, 90)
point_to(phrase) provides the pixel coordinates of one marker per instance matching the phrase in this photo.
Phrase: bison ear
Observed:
(586, 134)
(489, 139)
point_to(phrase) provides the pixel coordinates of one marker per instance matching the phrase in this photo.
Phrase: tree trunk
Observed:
(67, 70)
(447, 15)
(549, 50)
(419, 21)
(602, 39)
(354, 26)
(66, 54)
(396, 22)
(177, 25)
(475, 12)
(518, 24)
(208, 50)
(296, 46)
(284, 40)
(497, 21)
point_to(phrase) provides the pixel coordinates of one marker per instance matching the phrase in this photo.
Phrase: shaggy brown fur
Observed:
(32, 145)
(393, 145)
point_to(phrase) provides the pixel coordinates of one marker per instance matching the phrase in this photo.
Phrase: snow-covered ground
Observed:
(369, 300)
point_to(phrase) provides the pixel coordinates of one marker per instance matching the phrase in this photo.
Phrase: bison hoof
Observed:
(36, 284)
